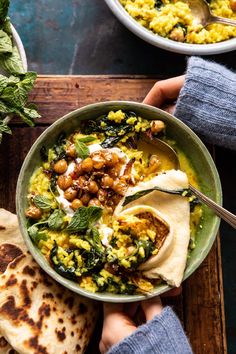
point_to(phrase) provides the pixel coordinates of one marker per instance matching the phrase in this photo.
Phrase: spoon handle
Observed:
(219, 211)
(223, 20)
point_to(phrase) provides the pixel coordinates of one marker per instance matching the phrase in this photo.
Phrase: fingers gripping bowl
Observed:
(121, 251)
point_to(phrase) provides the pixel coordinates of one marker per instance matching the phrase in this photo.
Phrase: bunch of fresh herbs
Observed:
(16, 84)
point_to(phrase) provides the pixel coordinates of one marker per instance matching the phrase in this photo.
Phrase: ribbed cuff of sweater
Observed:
(162, 335)
(207, 102)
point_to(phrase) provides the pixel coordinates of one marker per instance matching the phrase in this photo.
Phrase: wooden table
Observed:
(201, 305)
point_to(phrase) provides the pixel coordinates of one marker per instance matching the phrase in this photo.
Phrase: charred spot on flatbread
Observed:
(3, 342)
(8, 253)
(33, 343)
(69, 301)
(29, 271)
(11, 281)
(61, 334)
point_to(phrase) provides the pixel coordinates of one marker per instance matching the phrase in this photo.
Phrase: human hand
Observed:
(164, 92)
(118, 320)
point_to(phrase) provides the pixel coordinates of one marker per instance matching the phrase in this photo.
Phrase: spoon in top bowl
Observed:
(203, 16)
(170, 152)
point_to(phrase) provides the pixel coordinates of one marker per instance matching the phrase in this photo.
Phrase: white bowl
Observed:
(164, 43)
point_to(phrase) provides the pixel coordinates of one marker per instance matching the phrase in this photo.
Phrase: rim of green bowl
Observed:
(40, 259)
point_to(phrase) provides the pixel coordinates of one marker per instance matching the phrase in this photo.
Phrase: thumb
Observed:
(152, 307)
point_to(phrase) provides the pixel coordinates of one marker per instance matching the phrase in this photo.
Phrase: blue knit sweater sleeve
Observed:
(207, 102)
(162, 335)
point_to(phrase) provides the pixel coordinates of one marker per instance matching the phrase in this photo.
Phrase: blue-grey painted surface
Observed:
(83, 37)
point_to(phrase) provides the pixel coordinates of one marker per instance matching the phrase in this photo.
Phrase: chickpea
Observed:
(85, 198)
(98, 161)
(70, 194)
(119, 187)
(107, 181)
(93, 187)
(233, 5)
(157, 126)
(111, 158)
(87, 164)
(33, 212)
(81, 181)
(76, 204)
(71, 151)
(60, 166)
(64, 182)
(94, 202)
(102, 195)
(177, 34)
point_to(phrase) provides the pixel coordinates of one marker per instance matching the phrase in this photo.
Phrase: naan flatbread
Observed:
(175, 210)
(37, 315)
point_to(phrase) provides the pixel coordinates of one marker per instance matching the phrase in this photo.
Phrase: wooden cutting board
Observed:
(201, 305)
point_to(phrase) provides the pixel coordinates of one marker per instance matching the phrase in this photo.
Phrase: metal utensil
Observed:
(203, 16)
(218, 210)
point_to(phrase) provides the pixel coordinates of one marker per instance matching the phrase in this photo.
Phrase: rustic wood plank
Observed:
(57, 95)
(201, 305)
(203, 316)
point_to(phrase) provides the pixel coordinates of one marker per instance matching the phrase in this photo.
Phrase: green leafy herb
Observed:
(5, 43)
(11, 62)
(87, 139)
(4, 6)
(158, 4)
(94, 239)
(14, 89)
(84, 218)
(36, 234)
(59, 267)
(42, 202)
(4, 129)
(81, 149)
(113, 131)
(131, 198)
(55, 220)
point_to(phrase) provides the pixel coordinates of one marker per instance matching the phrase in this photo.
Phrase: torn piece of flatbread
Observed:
(175, 210)
(37, 315)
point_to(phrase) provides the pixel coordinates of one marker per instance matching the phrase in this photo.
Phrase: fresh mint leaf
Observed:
(4, 81)
(7, 26)
(5, 43)
(84, 218)
(14, 96)
(5, 109)
(87, 139)
(12, 62)
(36, 234)
(4, 127)
(28, 81)
(27, 115)
(79, 221)
(4, 6)
(94, 214)
(12, 80)
(42, 202)
(55, 220)
(81, 149)
(94, 239)
(33, 232)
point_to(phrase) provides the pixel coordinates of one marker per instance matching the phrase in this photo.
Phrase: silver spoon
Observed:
(203, 16)
(219, 211)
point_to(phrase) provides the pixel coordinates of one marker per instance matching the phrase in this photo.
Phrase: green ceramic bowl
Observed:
(187, 141)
